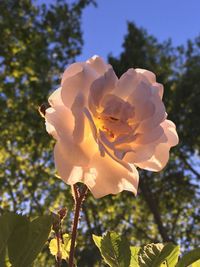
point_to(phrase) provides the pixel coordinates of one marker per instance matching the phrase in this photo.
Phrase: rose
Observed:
(105, 127)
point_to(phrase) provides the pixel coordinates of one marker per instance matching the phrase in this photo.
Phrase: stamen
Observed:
(114, 119)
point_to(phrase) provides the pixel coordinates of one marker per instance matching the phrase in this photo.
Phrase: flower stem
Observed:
(59, 255)
(79, 197)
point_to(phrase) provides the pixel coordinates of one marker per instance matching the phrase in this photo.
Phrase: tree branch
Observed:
(152, 204)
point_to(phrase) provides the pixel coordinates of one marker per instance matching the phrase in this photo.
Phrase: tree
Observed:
(33, 53)
(170, 197)
(37, 43)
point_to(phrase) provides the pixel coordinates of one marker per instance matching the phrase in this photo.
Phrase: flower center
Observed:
(112, 126)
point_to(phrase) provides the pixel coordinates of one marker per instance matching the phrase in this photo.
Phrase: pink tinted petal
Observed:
(92, 126)
(101, 86)
(157, 117)
(60, 120)
(109, 177)
(150, 136)
(51, 130)
(55, 98)
(170, 131)
(127, 84)
(89, 144)
(144, 146)
(158, 88)
(98, 64)
(117, 108)
(79, 79)
(151, 77)
(141, 94)
(138, 153)
(66, 155)
(144, 111)
(63, 166)
(161, 155)
(159, 159)
(73, 70)
(75, 176)
(77, 110)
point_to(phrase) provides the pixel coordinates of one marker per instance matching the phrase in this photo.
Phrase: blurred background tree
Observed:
(37, 43)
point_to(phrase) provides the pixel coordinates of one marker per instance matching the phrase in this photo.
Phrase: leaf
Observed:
(114, 249)
(65, 248)
(155, 255)
(170, 254)
(23, 255)
(191, 257)
(8, 223)
(134, 256)
(148, 254)
(196, 264)
(3, 258)
(24, 239)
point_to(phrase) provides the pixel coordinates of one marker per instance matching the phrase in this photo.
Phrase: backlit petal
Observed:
(161, 155)
(148, 74)
(100, 87)
(79, 79)
(98, 64)
(109, 177)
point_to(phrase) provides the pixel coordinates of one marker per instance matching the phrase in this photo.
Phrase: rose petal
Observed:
(100, 87)
(66, 155)
(140, 94)
(161, 155)
(158, 88)
(77, 111)
(109, 177)
(138, 153)
(127, 84)
(89, 144)
(144, 146)
(150, 136)
(62, 163)
(79, 79)
(147, 74)
(117, 108)
(144, 111)
(98, 64)
(55, 98)
(75, 176)
(59, 120)
(157, 117)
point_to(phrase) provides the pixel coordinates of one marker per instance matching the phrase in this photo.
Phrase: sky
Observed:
(104, 27)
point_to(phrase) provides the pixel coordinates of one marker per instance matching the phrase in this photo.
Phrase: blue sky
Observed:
(105, 26)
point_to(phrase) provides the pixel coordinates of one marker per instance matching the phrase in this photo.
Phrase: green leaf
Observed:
(37, 232)
(134, 256)
(170, 254)
(9, 222)
(114, 249)
(149, 253)
(3, 258)
(156, 255)
(64, 248)
(24, 239)
(191, 257)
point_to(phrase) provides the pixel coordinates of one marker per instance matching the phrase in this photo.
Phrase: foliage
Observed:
(23, 239)
(34, 50)
(169, 199)
(65, 246)
(116, 252)
(114, 249)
